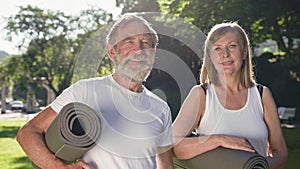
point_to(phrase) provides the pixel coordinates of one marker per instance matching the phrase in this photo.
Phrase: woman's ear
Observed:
(111, 52)
(245, 52)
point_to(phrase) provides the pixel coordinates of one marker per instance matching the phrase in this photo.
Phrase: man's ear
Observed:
(111, 52)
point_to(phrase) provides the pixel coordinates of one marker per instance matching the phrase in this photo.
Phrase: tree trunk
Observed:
(3, 99)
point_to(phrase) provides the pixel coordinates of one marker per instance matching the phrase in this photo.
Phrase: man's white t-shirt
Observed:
(134, 125)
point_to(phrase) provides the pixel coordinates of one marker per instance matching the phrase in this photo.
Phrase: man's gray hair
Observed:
(112, 37)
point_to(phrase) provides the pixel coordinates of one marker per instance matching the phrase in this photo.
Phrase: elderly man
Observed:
(136, 132)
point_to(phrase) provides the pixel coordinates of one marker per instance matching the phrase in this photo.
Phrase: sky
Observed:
(11, 7)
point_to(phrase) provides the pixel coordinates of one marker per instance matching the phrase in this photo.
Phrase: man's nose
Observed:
(139, 47)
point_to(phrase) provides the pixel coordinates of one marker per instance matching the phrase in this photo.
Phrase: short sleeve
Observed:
(166, 138)
(71, 94)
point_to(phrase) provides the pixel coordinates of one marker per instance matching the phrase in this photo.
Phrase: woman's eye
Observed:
(232, 46)
(217, 49)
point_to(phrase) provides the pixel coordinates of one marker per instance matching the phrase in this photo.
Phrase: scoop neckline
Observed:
(231, 110)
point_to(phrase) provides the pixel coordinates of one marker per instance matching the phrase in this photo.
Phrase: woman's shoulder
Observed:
(200, 89)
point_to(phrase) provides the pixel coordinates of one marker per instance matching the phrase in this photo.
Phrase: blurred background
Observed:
(43, 48)
(40, 42)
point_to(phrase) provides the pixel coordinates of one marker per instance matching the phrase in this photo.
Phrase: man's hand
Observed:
(77, 165)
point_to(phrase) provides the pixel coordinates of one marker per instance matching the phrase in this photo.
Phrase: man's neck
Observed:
(127, 83)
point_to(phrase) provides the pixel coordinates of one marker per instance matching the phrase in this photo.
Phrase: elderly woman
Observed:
(227, 109)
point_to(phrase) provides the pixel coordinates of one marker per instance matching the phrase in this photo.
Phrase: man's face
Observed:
(134, 52)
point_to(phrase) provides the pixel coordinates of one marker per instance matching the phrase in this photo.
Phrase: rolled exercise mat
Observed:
(224, 158)
(74, 131)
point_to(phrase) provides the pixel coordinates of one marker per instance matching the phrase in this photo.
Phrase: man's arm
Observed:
(164, 158)
(31, 139)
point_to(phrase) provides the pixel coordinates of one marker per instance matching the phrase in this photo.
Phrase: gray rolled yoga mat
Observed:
(73, 132)
(223, 158)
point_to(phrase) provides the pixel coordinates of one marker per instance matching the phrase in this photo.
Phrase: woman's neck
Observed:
(231, 83)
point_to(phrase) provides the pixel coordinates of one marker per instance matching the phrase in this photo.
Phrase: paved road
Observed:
(295, 124)
(17, 115)
(10, 115)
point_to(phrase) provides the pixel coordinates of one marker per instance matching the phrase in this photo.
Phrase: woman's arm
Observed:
(277, 146)
(189, 118)
(190, 147)
(164, 158)
(189, 115)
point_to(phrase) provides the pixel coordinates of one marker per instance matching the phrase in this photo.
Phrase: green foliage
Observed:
(93, 60)
(173, 6)
(8, 67)
(138, 6)
(35, 23)
(262, 19)
(51, 41)
(103, 71)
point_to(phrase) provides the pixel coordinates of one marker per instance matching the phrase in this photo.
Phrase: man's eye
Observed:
(147, 43)
(129, 41)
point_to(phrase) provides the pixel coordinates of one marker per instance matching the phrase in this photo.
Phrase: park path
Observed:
(10, 115)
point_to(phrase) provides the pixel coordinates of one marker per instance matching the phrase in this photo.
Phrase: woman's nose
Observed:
(225, 53)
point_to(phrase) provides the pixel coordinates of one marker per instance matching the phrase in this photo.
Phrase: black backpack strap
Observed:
(260, 89)
(204, 87)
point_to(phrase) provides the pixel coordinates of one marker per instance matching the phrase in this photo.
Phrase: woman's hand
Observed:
(233, 142)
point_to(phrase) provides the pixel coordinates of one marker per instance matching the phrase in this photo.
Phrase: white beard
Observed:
(138, 74)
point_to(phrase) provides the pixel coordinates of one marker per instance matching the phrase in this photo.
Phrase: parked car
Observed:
(17, 105)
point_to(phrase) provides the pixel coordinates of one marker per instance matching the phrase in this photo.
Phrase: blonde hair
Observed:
(208, 71)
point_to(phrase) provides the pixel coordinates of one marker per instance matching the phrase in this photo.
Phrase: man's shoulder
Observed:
(94, 80)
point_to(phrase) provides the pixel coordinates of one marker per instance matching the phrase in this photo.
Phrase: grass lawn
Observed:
(292, 138)
(12, 156)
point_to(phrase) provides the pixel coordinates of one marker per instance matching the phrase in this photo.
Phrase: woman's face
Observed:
(227, 54)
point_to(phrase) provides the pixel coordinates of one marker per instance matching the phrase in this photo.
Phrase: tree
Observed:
(52, 42)
(277, 20)
(54, 63)
(138, 5)
(8, 67)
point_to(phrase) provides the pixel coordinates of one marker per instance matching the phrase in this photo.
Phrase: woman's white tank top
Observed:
(246, 122)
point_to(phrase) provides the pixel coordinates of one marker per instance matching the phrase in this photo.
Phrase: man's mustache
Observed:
(139, 58)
